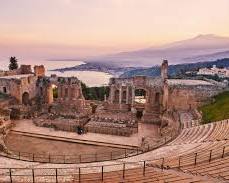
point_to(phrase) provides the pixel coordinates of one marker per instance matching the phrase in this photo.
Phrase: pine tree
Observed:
(13, 63)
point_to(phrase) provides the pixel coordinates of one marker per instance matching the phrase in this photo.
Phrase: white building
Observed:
(214, 71)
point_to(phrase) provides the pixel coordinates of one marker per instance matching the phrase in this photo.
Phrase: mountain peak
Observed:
(206, 36)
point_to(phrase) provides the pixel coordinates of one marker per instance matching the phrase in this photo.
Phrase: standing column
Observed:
(73, 93)
(105, 98)
(59, 92)
(69, 93)
(112, 94)
(63, 92)
(120, 95)
(133, 95)
(49, 94)
(127, 94)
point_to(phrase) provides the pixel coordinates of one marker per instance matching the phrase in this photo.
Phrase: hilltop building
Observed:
(221, 72)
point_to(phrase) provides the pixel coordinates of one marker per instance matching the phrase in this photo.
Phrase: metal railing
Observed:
(99, 173)
(84, 158)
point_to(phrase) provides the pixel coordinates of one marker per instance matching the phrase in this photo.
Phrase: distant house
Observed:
(222, 73)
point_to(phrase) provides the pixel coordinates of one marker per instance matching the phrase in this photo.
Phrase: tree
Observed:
(13, 63)
(94, 93)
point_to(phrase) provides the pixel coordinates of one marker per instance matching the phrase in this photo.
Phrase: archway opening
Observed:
(139, 114)
(25, 98)
(140, 96)
(157, 98)
(116, 96)
(4, 90)
(124, 97)
(54, 91)
(15, 114)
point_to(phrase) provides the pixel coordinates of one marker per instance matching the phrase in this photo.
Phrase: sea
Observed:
(90, 78)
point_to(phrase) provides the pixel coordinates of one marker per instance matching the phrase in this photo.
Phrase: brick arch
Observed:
(25, 98)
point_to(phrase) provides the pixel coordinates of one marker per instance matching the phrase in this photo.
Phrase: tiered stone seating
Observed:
(186, 119)
(137, 175)
(198, 154)
(209, 132)
(216, 168)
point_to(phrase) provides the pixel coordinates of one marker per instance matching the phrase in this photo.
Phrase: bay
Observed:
(90, 78)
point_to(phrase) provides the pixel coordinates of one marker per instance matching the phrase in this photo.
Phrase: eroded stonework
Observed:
(54, 101)
(161, 94)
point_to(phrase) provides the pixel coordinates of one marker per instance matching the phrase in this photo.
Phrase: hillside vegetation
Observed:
(176, 70)
(217, 110)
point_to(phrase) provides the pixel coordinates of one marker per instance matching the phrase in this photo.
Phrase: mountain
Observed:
(178, 69)
(200, 48)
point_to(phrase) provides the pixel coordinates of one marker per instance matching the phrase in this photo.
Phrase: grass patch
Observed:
(218, 110)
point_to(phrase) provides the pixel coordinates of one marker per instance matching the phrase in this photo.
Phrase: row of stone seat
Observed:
(182, 155)
(112, 120)
(208, 132)
(142, 175)
(216, 168)
(111, 130)
(106, 124)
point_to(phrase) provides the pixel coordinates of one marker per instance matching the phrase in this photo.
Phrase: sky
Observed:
(81, 28)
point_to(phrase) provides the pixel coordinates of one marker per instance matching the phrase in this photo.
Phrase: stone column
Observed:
(63, 92)
(112, 94)
(105, 98)
(49, 94)
(133, 95)
(120, 94)
(80, 92)
(127, 94)
(70, 93)
(59, 92)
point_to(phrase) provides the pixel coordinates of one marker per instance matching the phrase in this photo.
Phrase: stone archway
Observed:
(54, 91)
(116, 96)
(124, 96)
(157, 98)
(140, 95)
(25, 98)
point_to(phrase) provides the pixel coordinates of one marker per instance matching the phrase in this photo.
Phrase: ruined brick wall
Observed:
(16, 87)
(24, 69)
(39, 70)
(10, 87)
(28, 84)
(187, 97)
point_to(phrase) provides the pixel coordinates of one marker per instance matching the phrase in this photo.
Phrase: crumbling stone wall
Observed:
(39, 70)
(24, 69)
(4, 129)
(16, 87)
(162, 94)
(190, 97)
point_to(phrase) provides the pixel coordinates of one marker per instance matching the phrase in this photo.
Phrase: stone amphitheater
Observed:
(154, 137)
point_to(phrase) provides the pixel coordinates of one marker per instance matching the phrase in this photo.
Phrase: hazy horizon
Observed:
(48, 29)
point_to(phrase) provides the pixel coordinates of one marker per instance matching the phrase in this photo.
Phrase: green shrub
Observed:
(217, 110)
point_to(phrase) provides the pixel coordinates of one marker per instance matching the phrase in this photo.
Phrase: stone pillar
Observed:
(164, 70)
(127, 94)
(105, 98)
(112, 94)
(165, 95)
(80, 92)
(62, 92)
(59, 92)
(49, 94)
(70, 93)
(120, 94)
(133, 95)
(73, 94)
